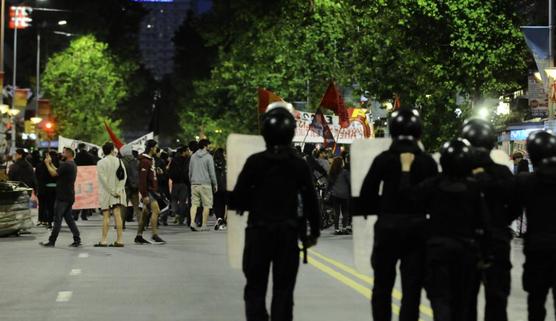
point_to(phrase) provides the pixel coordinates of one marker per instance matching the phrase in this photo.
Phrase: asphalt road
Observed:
(186, 279)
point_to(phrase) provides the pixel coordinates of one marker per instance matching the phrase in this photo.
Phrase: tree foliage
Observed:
(86, 83)
(438, 56)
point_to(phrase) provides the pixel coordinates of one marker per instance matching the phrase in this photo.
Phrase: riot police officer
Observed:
(535, 193)
(457, 223)
(270, 187)
(399, 231)
(493, 179)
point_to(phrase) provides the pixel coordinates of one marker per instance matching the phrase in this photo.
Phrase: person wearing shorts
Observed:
(203, 183)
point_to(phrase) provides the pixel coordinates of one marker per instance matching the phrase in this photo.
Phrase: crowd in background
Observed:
(182, 193)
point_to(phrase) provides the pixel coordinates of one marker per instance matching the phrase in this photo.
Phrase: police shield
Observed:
(239, 148)
(363, 152)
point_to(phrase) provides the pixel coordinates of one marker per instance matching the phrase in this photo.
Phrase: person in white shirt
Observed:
(111, 176)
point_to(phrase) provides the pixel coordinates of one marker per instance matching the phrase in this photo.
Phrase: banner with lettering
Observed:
(356, 129)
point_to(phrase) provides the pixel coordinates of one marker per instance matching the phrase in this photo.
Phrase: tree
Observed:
(431, 51)
(299, 46)
(86, 83)
(438, 56)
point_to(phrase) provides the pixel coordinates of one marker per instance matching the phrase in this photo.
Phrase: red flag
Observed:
(320, 126)
(397, 102)
(113, 136)
(267, 97)
(333, 100)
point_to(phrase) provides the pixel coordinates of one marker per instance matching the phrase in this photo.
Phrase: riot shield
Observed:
(363, 152)
(500, 157)
(239, 148)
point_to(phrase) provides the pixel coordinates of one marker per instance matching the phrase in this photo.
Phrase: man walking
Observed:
(203, 183)
(148, 188)
(111, 177)
(65, 197)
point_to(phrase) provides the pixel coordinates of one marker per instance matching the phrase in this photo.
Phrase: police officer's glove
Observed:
(311, 241)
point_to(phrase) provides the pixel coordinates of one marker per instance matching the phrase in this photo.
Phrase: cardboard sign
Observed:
(86, 188)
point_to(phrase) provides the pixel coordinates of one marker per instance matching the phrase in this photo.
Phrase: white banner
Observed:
(138, 144)
(356, 130)
(73, 143)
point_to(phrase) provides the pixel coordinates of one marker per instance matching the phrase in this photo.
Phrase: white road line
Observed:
(64, 296)
(75, 272)
(83, 255)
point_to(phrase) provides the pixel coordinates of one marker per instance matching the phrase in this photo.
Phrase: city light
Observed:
(62, 22)
(48, 125)
(483, 113)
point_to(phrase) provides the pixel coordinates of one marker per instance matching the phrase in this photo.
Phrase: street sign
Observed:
(20, 17)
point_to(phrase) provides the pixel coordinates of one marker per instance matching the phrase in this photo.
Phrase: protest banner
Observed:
(73, 143)
(86, 188)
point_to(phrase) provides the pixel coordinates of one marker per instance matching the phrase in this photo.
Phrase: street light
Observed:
(62, 22)
(4, 108)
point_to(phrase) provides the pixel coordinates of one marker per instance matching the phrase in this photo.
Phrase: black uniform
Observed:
(399, 231)
(457, 210)
(535, 192)
(496, 278)
(268, 188)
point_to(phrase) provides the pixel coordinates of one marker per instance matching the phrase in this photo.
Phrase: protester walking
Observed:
(65, 197)
(203, 183)
(148, 188)
(111, 176)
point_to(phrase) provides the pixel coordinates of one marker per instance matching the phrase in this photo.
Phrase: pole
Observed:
(551, 51)
(14, 86)
(551, 31)
(38, 84)
(2, 22)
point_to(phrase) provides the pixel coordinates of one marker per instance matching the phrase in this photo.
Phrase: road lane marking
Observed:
(396, 294)
(64, 296)
(83, 255)
(364, 291)
(75, 272)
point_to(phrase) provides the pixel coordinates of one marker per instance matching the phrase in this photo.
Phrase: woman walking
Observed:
(112, 177)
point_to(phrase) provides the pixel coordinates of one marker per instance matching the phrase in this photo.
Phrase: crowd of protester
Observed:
(187, 184)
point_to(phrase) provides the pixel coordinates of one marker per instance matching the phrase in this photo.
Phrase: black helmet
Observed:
(278, 127)
(479, 133)
(405, 122)
(541, 146)
(456, 157)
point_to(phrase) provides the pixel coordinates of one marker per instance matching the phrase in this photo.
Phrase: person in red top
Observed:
(148, 188)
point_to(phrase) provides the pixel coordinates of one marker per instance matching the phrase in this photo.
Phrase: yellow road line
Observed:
(396, 294)
(364, 291)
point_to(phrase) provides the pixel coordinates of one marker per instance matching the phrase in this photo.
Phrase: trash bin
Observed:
(15, 210)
